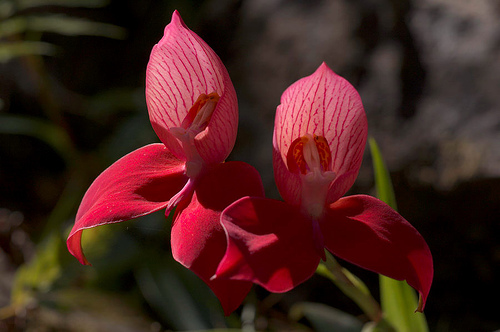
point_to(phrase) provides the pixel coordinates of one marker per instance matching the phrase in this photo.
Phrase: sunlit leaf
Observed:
(24, 4)
(11, 50)
(383, 181)
(61, 24)
(73, 26)
(221, 330)
(108, 248)
(398, 299)
(39, 274)
(324, 318)
(6, 9)
(381, 326)
(13, 26)
(399, 302)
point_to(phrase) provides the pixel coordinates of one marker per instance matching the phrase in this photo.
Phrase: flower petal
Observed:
(269, 243)
(198, 239)
(367, 232)
(323, 104)
(181, 68)
(139, 183)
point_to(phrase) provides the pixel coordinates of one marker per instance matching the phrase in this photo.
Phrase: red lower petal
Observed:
(198, 239)
(367, 232)
(269, 243)
(139, 183)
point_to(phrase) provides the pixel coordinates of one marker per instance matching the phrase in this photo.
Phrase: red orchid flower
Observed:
(319, 138)
(193, 109)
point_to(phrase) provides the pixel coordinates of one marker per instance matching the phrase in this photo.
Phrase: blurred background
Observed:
(72, 102)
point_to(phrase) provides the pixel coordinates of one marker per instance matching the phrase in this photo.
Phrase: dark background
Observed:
(428, 73)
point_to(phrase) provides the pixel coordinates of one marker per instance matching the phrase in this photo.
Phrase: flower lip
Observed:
(200, 113)
(195, 122)
(310, 157)
(304, 156)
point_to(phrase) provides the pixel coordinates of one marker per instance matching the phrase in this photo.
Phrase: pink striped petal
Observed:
(269, 243)
(198, 239)
(181, 68)
(323, 104)
(367, 232)
(139, 183)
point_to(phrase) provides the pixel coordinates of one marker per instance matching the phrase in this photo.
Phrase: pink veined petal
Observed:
(139, 183)
(327, 105)
(288, 183)
(181, 68)
(198, 239)
(367, 232)
(269, 243)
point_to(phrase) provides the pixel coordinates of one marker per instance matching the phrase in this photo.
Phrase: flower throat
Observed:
(310, 157)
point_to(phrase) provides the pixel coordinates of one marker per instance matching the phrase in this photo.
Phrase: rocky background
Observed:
(428, 72)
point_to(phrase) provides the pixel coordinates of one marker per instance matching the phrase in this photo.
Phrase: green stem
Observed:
(350, 285)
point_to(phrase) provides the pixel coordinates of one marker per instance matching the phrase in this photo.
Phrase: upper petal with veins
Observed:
(181, 68)
(323, 104)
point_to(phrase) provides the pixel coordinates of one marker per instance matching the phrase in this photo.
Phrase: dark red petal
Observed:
(269, 243)
(139, 183)
(198, 239)
(367, 232)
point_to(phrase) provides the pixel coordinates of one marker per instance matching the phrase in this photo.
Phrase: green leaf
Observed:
(39, 274)
(398, 299)
(11, 50)
(61, 24)
(350, 285)
(399, 302)
(43, 130)
(383, 181)
(325, 318)
(6, 9)
(23, 4)
(177, 295)
(85, 309)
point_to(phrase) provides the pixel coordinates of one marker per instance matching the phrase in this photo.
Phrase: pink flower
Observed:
(193, 110)
(319, 138)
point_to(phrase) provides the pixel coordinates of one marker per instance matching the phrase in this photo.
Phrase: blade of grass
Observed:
(324, 318)
(397, 298)
(60, 24)
(24, 4)
(11, 50)
(43, 130)
(351, 286)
